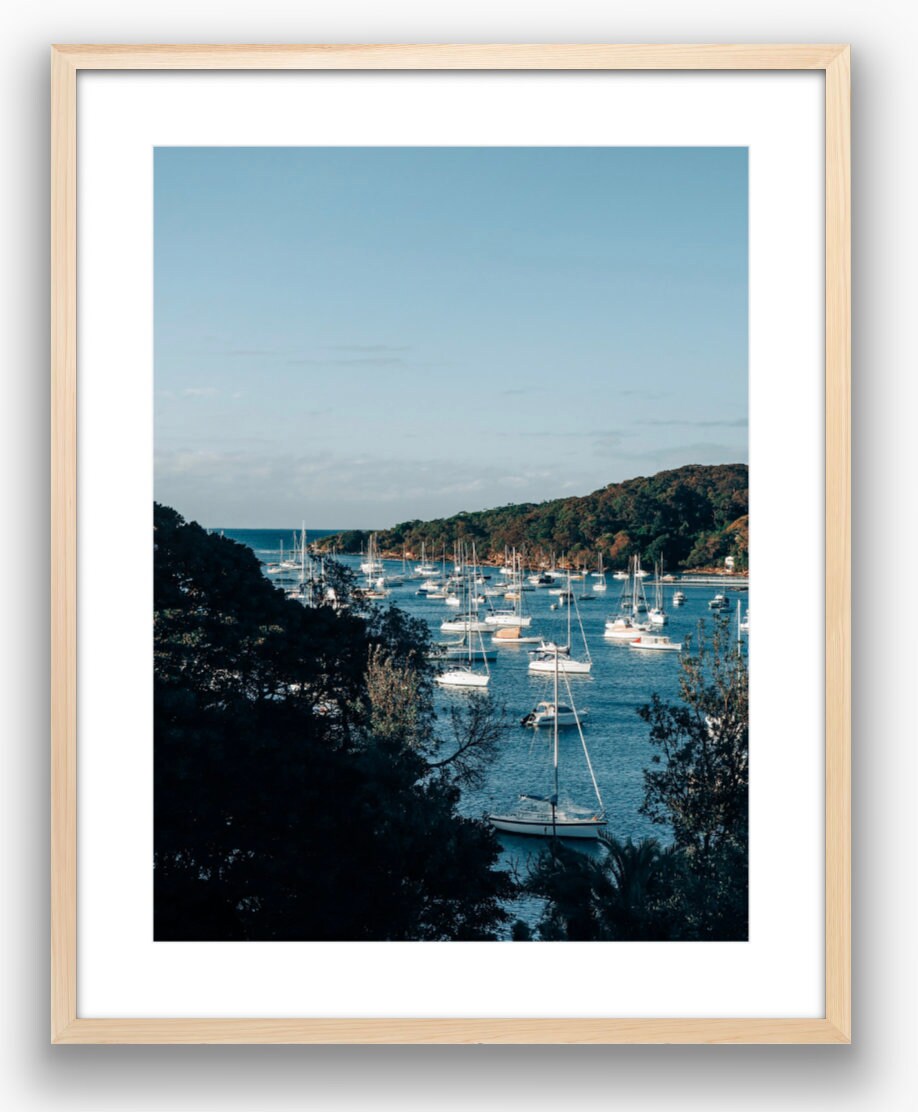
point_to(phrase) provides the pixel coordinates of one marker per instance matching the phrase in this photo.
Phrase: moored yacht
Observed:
(655, 642)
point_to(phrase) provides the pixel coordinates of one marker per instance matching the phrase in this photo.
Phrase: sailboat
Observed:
(549, 658)
(543, 816)
(627, 625)
(465, 675)
(462, 650)
(600, 577)
(511, 618)
(657, 615)
(655, 642)
(425, 570)
(372, 565)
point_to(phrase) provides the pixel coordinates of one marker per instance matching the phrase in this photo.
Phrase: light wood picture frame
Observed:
(67, 1026)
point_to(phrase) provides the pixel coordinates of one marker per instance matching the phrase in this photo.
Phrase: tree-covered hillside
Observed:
(692, 516)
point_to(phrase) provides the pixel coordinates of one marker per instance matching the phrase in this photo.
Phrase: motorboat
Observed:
(655, 642)
(544, 714)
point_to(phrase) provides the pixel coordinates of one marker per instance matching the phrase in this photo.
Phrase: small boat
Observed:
(460, 650)
(744, 624)
(463, 625)
(627, 624)
(374, 593)
(655, 642)
(549, 657)
(679, 598)
(623, 628)
(657, 614)
(719, 602)
(462, 677)
(543, 714)
(548, 662)
(511, 636)
(508, 618)
(600, 577)
(540, 817)
(425, 569)
(372, 565)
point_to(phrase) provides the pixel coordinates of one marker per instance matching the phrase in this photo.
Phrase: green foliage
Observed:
(689, 516)
(699, 779)
(697, 788)
(298, 791)
(625, 895)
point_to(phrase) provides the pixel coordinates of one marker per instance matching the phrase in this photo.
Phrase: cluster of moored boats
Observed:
(485, 603)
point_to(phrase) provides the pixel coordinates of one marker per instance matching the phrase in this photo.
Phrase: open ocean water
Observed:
(621, 681)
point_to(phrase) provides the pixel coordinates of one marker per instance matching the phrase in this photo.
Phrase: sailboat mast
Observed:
(739, 631)
(554, 798)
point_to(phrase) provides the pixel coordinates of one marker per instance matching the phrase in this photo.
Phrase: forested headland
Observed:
(692, 517)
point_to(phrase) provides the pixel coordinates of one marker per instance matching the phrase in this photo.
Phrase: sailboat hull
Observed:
(563, 827)
(463, 625)
(500, 619)
(623, 633)
(567, 666)
(462, 679)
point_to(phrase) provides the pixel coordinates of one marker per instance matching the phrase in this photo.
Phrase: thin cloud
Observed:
(644, 460)
(734, 423)
(368, 349)
(651, 395)
(364, 361)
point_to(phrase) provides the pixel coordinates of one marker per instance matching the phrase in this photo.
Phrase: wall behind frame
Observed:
(874, 1072)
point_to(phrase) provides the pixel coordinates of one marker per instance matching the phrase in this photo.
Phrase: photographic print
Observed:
(451, 544)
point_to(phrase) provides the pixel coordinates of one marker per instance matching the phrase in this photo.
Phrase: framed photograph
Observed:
(424, 420)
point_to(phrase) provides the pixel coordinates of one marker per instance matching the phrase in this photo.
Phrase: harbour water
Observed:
(622, 680)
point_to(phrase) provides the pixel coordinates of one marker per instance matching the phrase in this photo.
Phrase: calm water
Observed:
(622, 680)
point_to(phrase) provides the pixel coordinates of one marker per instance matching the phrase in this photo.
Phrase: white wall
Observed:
(874, 1073)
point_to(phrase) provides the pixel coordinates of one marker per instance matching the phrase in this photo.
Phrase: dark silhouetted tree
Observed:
(297, 794)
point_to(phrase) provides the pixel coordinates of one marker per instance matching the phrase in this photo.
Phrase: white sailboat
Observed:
(657, 615)
(544, 713)
(600, 576)
(466, 675)
(462, 650)
(552, 658)
(425, 570)
(544, 816)
(515, 617)
(627, 625)
(372, 566)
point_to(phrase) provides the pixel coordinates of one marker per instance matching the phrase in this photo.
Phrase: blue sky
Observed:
(360, 336)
